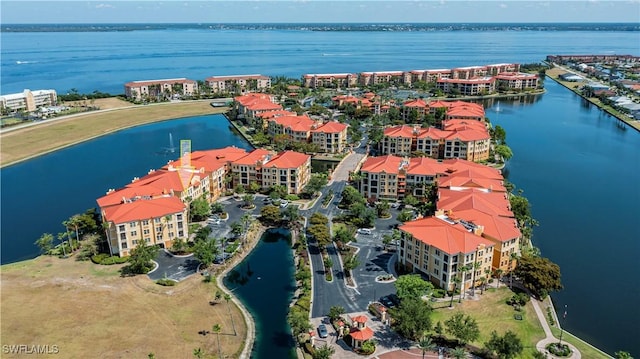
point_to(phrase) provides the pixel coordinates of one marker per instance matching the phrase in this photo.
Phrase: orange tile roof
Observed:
(295, 123)
(227, 154)
(492, 203)
(161, 180)
(275, 113)
(499, 228)
(424, 166)
(160, 82)
(127, 193)
(387, 164)
(471, 182)
(468, 134)
(331, 127)
(451, 125)
(432, 133)
(399, 131)
(143, 209)
(416, 103)
(447, 237)
(457, 165)
(360, 319)
(263, 105)
(288, 159)
(361, 334)
(253, 157)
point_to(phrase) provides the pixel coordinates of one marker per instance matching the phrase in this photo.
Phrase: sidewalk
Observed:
(541, 345)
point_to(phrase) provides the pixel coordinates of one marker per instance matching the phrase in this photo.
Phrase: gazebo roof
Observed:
(361, 334)
(360, 319)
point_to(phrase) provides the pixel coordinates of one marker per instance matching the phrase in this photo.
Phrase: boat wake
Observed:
(25, 62)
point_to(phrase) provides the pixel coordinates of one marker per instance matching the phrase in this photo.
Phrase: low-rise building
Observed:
(297, 127)
(159, 89)
(330, 80)
(251, 105)
(28, 100)
(289, 169)
(330, 137)
(516, 81)
(238, 83)
(468, 87)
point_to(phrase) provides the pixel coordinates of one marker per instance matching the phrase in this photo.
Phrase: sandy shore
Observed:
(27, 142)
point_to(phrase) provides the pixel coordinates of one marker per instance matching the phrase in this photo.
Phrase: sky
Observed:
(317, 11)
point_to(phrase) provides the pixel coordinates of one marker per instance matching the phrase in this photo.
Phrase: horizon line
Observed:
(316, 22)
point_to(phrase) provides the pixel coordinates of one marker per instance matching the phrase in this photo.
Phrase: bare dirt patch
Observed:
(89, 311)
(101, 103)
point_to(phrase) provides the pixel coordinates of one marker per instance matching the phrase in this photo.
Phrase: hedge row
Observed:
(105, 259)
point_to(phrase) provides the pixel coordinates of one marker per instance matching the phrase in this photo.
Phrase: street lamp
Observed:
(564, 316)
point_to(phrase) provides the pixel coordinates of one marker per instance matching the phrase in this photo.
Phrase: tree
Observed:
(463, 270)
(438, 329)
(351, 195)
(199, 209)
(236, 228)
(412, 318)
(499, 135)
(316, 183)
(254, 187)
(328, 263)
(458, 353)
(507, 346)
(61, 237)
(45, 243)
(291, 215)
(405, 216)
(410, 200)
(89, 246)
(217, 329)
(227, 298)
(464, 328)
(141, 256)
(622, 355)
(217, 207)
(299, 322)
(456, 282)
(239, 189)
(539, 275)
(324, 352)
(278, 191)
(248, 200)
(382, 209)
(426, 344)
(344, 235)
(335, 312)
(412, 286)
(270, 214)
(504, 152)
(350, 263)
(475, 267)
(198, 353)
(206, 251)
(318, 218)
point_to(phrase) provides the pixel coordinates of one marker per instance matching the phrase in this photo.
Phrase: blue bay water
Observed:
(577, 167)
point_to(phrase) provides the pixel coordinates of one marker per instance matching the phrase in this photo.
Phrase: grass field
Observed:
(492, 313)
(89, 311)
(28, 142)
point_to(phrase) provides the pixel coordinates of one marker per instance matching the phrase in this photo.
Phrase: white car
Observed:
(283, 204)
(364, 231)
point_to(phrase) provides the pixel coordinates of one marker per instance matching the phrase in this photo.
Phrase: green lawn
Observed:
(492, 313)
(587, 351)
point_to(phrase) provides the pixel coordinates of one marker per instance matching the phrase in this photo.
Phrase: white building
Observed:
(29, 100)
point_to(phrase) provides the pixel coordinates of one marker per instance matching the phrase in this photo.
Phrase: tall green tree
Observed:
(463, 327)
(199, 209)
(539, 275)
(45, 243)
(412, 286)
(324, 352)
(507, 346)
(206, 251)
(227, 298)
(299, 322)
(458, 353)
(412, 318)
(335, 312)
(426, 344)
(316, 183)
(141, 256)
(504, 152)
(456, 283)
(350, 263)
(622, 355)
(270, 214)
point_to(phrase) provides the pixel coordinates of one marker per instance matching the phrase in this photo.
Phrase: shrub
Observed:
(291, 197)
(309, 348)
(166, 282)
(438, 293)
(105, 259)
(368, 347)
(561, 350)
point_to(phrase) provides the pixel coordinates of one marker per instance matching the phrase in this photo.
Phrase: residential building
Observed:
(297, 127)
(380, 77)
(469, 72)
(468, 87)
(248, 169)
(516, 81)
(28, 100)
(331, 137)
(330, 80)
(289, 169)
(159, 89)
(252, 104)
(238, 83)
(152, 220)
(441, 249)
(417, 106)
(398, 140)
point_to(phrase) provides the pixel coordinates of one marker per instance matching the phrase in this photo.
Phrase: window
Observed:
(180, 233)
(170, 225)
(445, 258)
(132, 224)
(148, 240)
(123, 236)
(179, 216)
(121, 228)
(437, 252)
(145, 222)
(159, 237)
(134, 233)
(134, 242)
(159, 229)
(146, 231)
(156, 220)
(124, 245)
(436, 262)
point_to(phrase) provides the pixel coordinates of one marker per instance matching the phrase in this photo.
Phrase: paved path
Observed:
(549, 336)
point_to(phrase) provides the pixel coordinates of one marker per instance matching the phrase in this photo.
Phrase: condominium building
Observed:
(330, 80)
(468, 87)
(441, 249)
(297, 127)
(160, 89)
(330, 137)
(153, 220)
(384, 77)
(28, 100)
(248, 169)
(238, 83)
(289, 169)
(398, 140)
(516, 81)
(252, 104)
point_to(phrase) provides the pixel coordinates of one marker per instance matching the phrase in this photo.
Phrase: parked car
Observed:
(387, 302)
(395, 299)
(364, 231)
(283, 204)
(322, 331)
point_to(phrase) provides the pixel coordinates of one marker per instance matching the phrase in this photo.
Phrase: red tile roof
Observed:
(331, 127)
(492, 203)
(416, 103)
(447, 237)
(499, 228)
(360, 319)
(387, 164)
(404, 131)
(361, 334)
(276, 113)
(424, 166)
(255, 156)
(432, 133)
(295, 123)
(144, 209)
(288, 159)
(129, 193)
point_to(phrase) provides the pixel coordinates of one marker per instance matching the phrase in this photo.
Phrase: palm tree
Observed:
(198, 353)
(499, 275)
(105, 226)
(45, 242)
(217, 329)
(61, 237)
(483, 283)
(458, 353)
(455, 281)
(476, 267)
(463, 270)
(227, 298)
(425, 344)
(512, 258)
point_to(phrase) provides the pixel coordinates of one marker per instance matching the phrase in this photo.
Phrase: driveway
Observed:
(173, 267)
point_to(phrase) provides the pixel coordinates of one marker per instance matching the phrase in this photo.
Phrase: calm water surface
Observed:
(264, 282)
